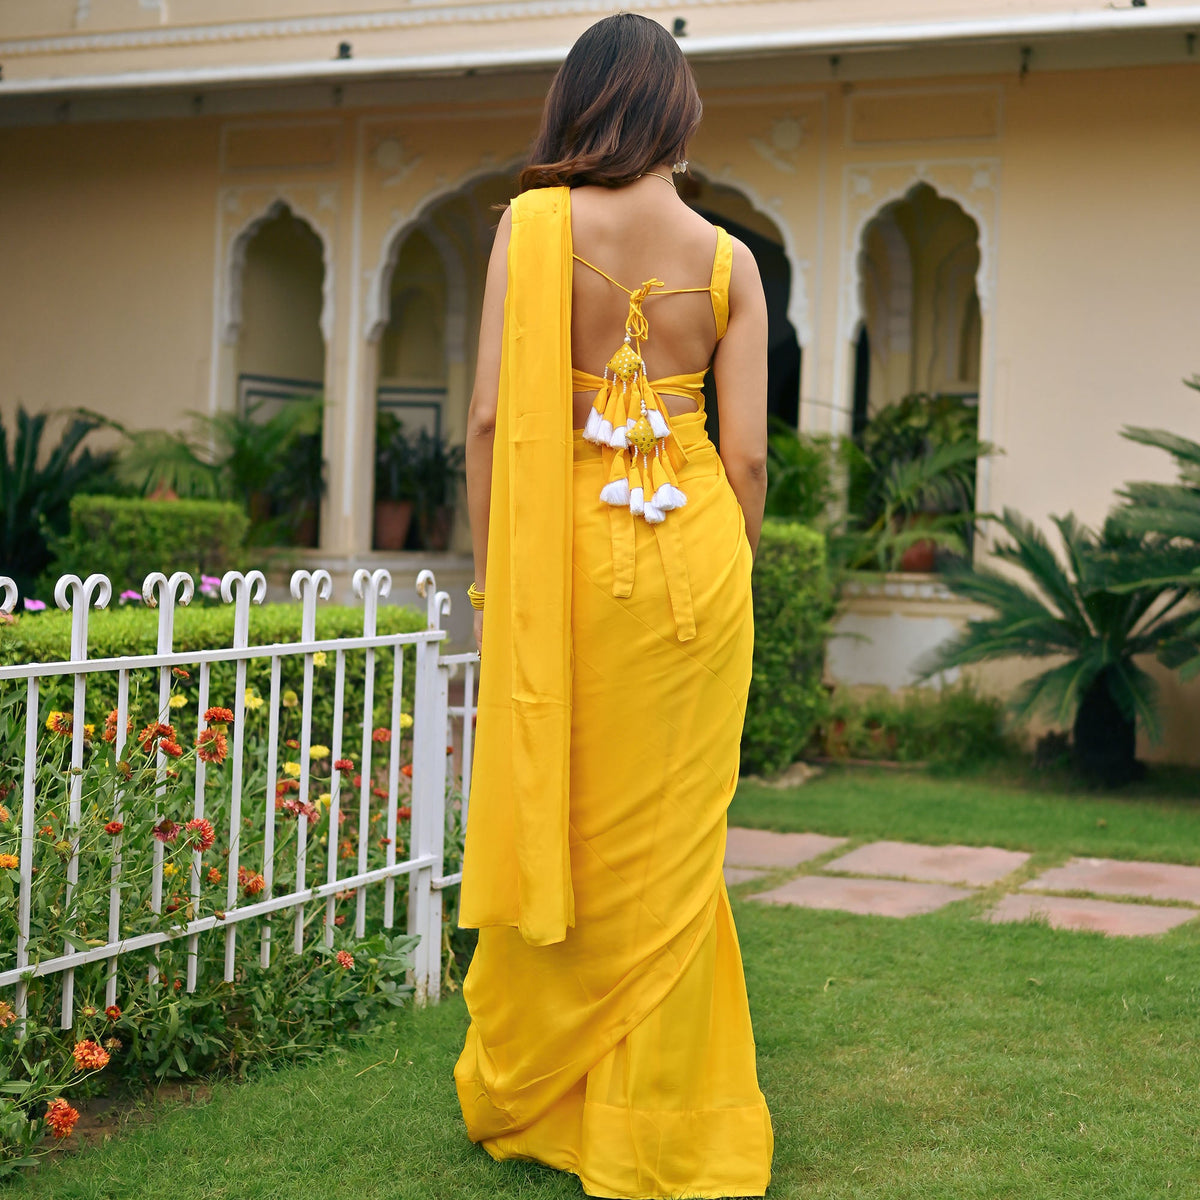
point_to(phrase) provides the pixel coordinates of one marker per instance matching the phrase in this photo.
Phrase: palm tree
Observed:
(1085, 612)
(1168, 515)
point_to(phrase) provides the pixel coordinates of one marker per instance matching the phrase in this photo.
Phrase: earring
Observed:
(679, 167)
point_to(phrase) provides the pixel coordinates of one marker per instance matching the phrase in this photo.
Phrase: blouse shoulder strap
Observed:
(719, 287)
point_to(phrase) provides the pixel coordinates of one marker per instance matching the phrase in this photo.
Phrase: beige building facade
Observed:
(204, 204)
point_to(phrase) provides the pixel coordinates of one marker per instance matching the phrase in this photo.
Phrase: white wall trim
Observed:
(826, 39)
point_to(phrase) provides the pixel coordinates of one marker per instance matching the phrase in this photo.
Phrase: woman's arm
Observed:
(740, 375)
(481, 415)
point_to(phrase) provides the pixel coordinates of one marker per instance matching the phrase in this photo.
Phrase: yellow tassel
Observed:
(620, 409)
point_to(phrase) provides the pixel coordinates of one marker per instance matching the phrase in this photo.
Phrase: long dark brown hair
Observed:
(623, 100)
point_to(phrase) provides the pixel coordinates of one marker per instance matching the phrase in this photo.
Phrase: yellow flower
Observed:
(325, 799)
(54, 719)
(406, 720)
(319, 658)
(318, 752)
(89, 730)
(290, 699)
(178, 700)
(169, 869)
(252, 699)
(292, 770)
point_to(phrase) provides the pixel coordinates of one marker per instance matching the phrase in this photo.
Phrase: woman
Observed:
(610, 1033)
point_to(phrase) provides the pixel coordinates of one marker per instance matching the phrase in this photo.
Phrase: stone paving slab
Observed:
(1117, 877)
(974, 865)
(870, 897)
(1102, 916)
(769, 850)
(736, 875)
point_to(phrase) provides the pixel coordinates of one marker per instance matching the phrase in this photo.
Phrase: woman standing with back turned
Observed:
(610, 1033)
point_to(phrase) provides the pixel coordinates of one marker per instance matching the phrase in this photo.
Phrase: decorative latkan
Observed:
(628, 417)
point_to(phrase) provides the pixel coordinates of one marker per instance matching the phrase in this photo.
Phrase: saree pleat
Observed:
(624, 1052)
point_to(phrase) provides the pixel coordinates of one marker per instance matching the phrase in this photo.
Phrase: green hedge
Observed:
(46, 637)
(793, 604)
(126, 539)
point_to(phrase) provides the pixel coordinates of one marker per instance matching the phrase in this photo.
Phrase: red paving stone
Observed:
(974, 865)
(1101, 916)
(736, 875)
(870, 897)
(1114, 877)
(771, 851)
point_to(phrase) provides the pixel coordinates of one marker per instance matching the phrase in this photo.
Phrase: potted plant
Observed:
(912, 483)
(395, 482)
(437, 470)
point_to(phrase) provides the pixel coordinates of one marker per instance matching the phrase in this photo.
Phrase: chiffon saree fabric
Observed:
(610, 1031)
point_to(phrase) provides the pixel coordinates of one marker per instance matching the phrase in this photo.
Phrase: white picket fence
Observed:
(431, 732)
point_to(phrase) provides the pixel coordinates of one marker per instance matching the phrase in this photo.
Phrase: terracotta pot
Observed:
(920, 557)
(435, 527)
(392, 521)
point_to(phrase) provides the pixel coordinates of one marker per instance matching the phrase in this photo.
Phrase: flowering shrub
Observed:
(137, 795)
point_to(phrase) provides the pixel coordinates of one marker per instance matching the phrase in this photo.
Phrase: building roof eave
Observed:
(824, 40)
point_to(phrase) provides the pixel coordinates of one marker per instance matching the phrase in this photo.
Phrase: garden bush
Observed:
(954, 727)
(127, 538)
(793, 604)
(296, 1006)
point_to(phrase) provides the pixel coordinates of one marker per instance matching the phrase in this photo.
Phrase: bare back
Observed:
(636, 233)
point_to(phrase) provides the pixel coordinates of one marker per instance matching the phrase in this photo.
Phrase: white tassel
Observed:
(664, 498)
(677, 495)
(658, 423)
(618, 438)
(653, 513)
(616, 492)
(637, 503)
(604, 433)
(591, 428)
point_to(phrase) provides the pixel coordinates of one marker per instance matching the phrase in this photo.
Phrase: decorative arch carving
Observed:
(799, 306)
(235, 260)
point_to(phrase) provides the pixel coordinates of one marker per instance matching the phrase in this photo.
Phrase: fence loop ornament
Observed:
(371, 587)
(164, 594)
(241, 591)
(437, 604)
(308, 587)
(8, 589)
(78, 596)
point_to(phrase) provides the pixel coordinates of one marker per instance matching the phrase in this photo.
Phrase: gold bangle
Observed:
(475, 596)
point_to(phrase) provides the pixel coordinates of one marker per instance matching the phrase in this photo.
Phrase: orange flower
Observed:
(381, 735)
(173, 748)
(251, 882)
(61, 1117)
(404, 812)
(380, 792)
(212, 746)
(214, 875)
(218, 716)
(4, 813)
(343, 764)
(166, 831)
(113, 1012)
(203, 833)
(7, 1014)
(89, 1055)
(9, 862)
(153, 732)
(110, 726)
(180, 673)
(406, 770)
(345, 960)
(114, 827)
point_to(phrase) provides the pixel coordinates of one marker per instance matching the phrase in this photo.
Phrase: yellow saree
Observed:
(610, 1032)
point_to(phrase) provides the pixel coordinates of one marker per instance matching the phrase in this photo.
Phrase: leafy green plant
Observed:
(395, 459)
(952, 727)
(1078, 612)
(799, 475)
(437, 470)
(1167, 515)
(271, 465)
(793, 604)
(36, 487)
(911, 479)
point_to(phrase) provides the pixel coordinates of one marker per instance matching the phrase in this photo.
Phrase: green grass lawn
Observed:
(938, 1057)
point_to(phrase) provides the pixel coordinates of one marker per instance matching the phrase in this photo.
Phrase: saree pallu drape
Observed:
(623, 1051)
